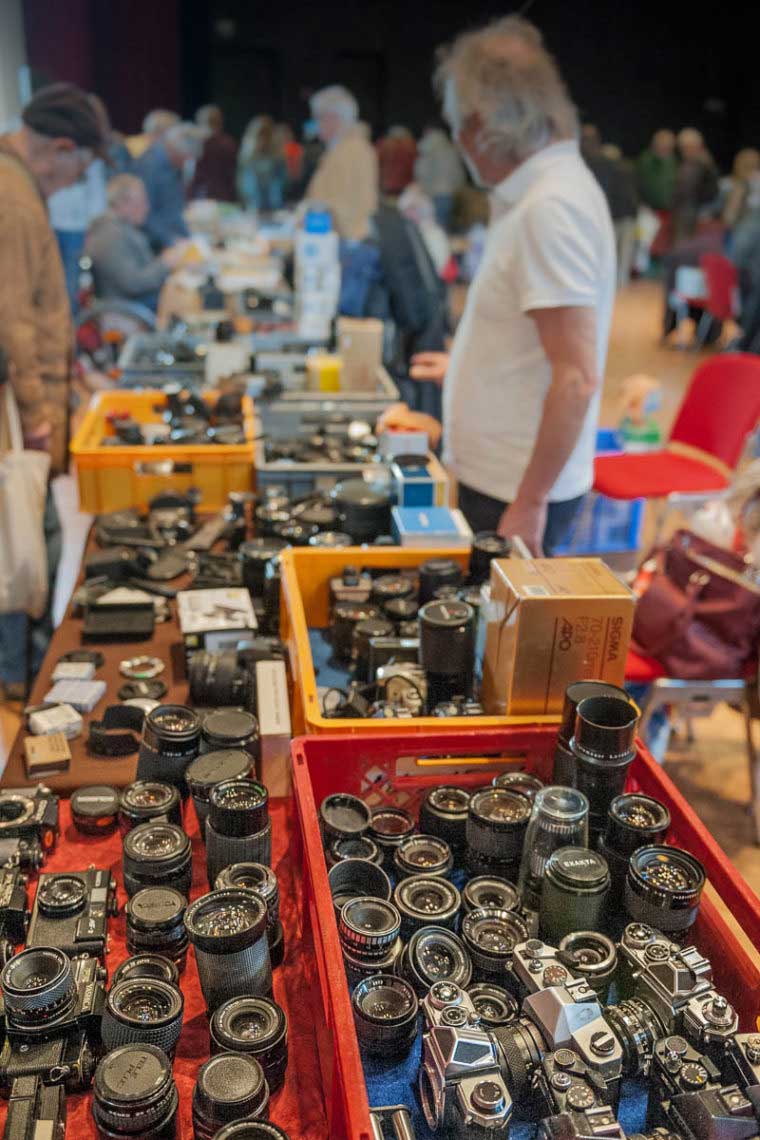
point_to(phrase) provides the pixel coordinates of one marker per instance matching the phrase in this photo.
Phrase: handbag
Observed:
(700, 615)
(23, 493)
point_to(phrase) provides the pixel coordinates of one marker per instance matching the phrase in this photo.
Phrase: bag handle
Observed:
(698, 580)
(13, 419)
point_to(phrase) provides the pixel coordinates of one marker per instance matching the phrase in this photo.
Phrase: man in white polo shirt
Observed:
(523, 383)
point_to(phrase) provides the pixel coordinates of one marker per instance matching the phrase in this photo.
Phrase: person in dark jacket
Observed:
(696, 185)
(216, 169)
(619, 190)
(160, 168)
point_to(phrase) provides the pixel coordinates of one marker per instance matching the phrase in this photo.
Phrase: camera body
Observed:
(565, 1083)
(30, 814)
(593, 1124)
(535, 966)
(24, 853)
(741, 1064)
(35, 1110)
(722, 1113)
(71, 911)
(677, 1068)
(14, 916)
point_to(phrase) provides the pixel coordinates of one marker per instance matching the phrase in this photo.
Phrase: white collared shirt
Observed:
(551, 244)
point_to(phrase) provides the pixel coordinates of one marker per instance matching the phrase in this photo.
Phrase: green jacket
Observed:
(656, 179)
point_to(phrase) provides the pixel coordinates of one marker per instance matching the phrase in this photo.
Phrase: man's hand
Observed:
(429, 366)
(398, 417)
(528, 520)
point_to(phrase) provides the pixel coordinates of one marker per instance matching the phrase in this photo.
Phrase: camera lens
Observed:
(355, 878)
(61, 895)
(146, 966)
(38, 986)
(228, 930)
(388, 827)
(342, 817)
(443, 812)
(256, 877)
(522, 1048)
(603, 745)
(633, 821)
(238, 828)
(331, 539)
(424, 901)
(146, 800)
(360, 848)
(401, 610)
(438, 572)
(171, 739)
(143, 1010)
(385, 1015)
(230, 1087)
(219, 680)
(254, 556)
(664, 888)
(364, 512)
(134, 1094)
(392, 587)
(496, 826)
(423, 855)
(94, 810)
(574, 893)
(369, 927)
(231, 728)
(210, 769)
(156, 854)
(495, 1006)
(156, 924)
(564, 758)
(434, 955)
(521, 782)
(487, 892)
(251, 1130)
(559, 818)
(363, 633)
(489, 937)
(256, 1026)
(447, 649)
(592, 956)
(638, 1029)
(346, 616)
(486, 545)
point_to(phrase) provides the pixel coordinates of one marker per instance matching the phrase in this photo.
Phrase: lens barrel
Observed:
(443, 812)
(424, 901)
(256, 877)
(143, 1011)
(603, 745)
(356, 878)
(237, 729)
(146, 800)
(228, 930)
(258, 1027)
(212, 768)
(385, 1012)
(388, 827)
(134, 1094)
(490, 936)
(564, 758)
(574, 894)
(156, 924)
(559, 818)
(238, 828)
(496, 827)
(423, 855)
(153, 966)
(342, 816)
(664, 888)
(171, 740)
(634, 820)
(229, 1087)
(157, 854)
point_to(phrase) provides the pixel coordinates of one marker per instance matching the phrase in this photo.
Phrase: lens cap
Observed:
(155, 907)
(229, 1086)
(578, 866)
(214, 767)
(132, 1073)
(94, 810)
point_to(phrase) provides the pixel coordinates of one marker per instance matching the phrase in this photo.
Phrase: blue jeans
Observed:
(483, 513)
(71, 245)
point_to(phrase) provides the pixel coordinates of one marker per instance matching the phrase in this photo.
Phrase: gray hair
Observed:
(186, 139)
(504, 73)
(158, 122)
(122, 187)
(335, 100)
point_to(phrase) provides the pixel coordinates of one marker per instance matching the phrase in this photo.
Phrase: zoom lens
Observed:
(490, 936)
(523, 783)
(38, 987)
(423, 855)
(219, 680)
(256, 877)
(486, 545)
(633, 821)
(496, 826)
(496, 1007)
(388, 827)
(342, 817)
(210, 769)
(361, 848)
(443, 813)
(230, 1087)
(157, 854)
(489, 893)
(424, 901)
(238, 828)
(436, 572)
(364, 512)
(147, 800)
(592, 956)
(228, 930)
(559, 818)
(664, 888)
(134, 1094)
(574, 894)
(364, 632)
(564, 758)
(603, 745)
(236, 729)
(385, 1015)
(139, 1010)
(346, 616)
(152, 966)
(256, 1026)
(171, 740)
(254, 556)
(156, 924)
(434, 955)
(447, 649)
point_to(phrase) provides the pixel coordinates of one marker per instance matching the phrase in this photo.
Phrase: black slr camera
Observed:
(71, 911)
(30, 814)
(14, 917)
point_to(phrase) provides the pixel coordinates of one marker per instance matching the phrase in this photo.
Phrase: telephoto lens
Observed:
(432, 955)
(256, 877)
(443, 812)
(388, 827)
(490, 893)
(634, 820)
(357, 878)
(559, 818)
(564, 758)
(385, 1015)
(231, 728)
(423, 855)
(447, 649)
(156, 924)
(254, 556)
(363, 633)
(495, 1006)
(210, 769)
(437, 572)
(220, 680)
(342, 817)
(229, 1087)
(94, 811)
(251, 1130)
(603, 745)
(134, 1094)
(258, 1027)
(663, 889)
(574, 893)
(238, 828)
(171, 740)
(364, 511)
(423, 901)
(369, 930)
(346, 616)
(490, 936)
(524, 783)
(147, 800)
(486, 545)
(228, 930)
(153, 966)
(143, 1010)
(157, 854)
(361, 848)
(590, 955)
(496, 826)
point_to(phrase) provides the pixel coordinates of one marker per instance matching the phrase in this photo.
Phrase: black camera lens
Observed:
(664, 888)
(388, 827)
(171, 739)
(638, 1029)
(590, 955)
(346, 616)
(295, 533)
(251, 1130)
(342, 817)
(356, 878)
(437, 572)
(210, 769)
(443, 812)
(392, 587)
(434, 955)
(486, 545)
(447, 649)
(445, 594)
(359, 848)
(147, 966)
(496, 825)
(634, 820)
(38, 986)
(157, 854)
(220, 680)
(564, 759)
(256, 877)
(238, 828)
(521, 782)
(231, 728)
(368, 927)
(385, 1015)
(143, 1010)
(496, 1007)
(95, 810)
(364, 632)
(488, 892)
(364, 511)
(134, 1094)
(522, 1048)
(156, 924)
(490, 936)
(423, 855)
(256, 1026)
(254, 556)
(401, 610)
(228, 930)
(230, 1087)
(61, 895)
(424, 901)
(331, 539)
(146, 800)
(574, 893)
(603, 745)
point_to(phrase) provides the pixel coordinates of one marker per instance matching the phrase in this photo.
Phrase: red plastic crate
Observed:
(397, 770)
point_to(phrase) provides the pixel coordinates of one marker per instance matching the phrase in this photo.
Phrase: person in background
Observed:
(439, 171)
(656, 169)
(123, 264)
(396, 155)
(214, 175)
(620, 192)
(415, 205)
(71, 210)
(118, 159)
(262, 173)
(155, 125)
(346, 178)
(696, 185)
(161, 167)
(291, 150)
(741, 211)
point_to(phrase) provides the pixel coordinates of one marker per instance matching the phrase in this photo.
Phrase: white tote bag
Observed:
(23, 490)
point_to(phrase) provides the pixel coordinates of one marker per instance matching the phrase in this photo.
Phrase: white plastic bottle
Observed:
(317, 276)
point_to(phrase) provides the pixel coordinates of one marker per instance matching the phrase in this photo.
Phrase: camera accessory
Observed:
(46, 755)
(30, 814)
(147, 800)
(564, 758)
(496, 826)
(388, 827)
(574, 892)
(364, 511)
(356, 878)
(360, 848)
(490, 936)
(663, 888)
(142, 691)
(559, 818)
(220, 680)
(118, 733)
(447, 649)
(363, 633)
(392, 587)
(256, 1026)
(50, 720)
(423, 855)
(489, 892)
(71, 911)
(712, 1113)
(254, 556)
(437, 572)
(256, 877)
(26, 854)
(676, 1068)
(432, 955)
(385, 1015)
(141, 668)
(210, 769)
(157, 854)
(396, 1116)
(486, 545)
(603, 745)
(231, 728)
(228, 930)
(171, 740)
(495, 1007)
(251, 1130)
(563, 1083)
(143, 1010)
(73, 671)
(95, 810)
(155, 924)
(152, 966)
(14, 917)
(424, 901)
(590, 955)
(523, 783)
(346, 616)
(741, 1063)
(443, 812)
(80, 695)
(134, 1094)
(633, 820)
(400, 610)
(229, 1087)
(238, 827)
(351, 586)
(342, 817)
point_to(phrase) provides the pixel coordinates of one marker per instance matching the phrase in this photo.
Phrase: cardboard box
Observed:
(360, 344)
(215, 619)
(273, 709)
(551, 621)
(424, 484)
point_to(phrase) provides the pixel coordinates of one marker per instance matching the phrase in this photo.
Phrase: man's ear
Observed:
(64, 144)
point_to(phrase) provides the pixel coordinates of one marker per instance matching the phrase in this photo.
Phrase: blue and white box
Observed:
(430, 526)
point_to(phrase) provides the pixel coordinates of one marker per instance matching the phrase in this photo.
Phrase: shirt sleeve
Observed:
(557, 258)
(19, 262)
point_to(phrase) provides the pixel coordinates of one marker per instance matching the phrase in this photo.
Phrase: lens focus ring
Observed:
(139, 1010)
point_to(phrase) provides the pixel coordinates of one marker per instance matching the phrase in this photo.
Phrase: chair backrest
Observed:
(722, 280)
(721, 406)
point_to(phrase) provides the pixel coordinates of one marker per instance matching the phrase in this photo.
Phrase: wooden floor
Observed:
(712, 771)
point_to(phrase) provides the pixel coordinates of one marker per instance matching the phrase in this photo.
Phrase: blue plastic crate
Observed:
(605, 526)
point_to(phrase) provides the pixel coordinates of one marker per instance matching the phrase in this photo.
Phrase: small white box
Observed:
(62, 718)
(273, 711)
(81, 695)
(74, 671)
(215, 619)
